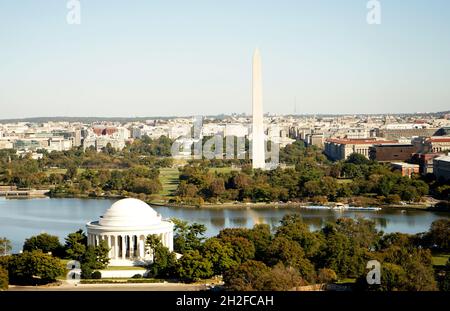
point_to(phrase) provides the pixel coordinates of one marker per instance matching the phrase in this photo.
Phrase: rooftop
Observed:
(443, 158)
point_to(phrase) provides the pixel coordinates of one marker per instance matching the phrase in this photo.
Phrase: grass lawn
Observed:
(50, 171)
(169, 180)
(440, 259)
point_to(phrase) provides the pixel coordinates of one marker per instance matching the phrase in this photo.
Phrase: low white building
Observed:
(125, 227)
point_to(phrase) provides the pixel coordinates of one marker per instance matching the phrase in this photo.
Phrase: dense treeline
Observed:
(259, 258)
(292, 255)
(133, 170)
(305, 176)
(138, 179)
(309, 177)
(40, 261)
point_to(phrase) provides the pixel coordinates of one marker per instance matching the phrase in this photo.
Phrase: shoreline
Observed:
(237, 205)
(275, 205)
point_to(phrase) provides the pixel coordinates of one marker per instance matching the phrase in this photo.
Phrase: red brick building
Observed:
(392, 152)
(425, 161)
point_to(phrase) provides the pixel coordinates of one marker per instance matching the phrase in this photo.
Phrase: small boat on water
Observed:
(364, 208)
(316, 207)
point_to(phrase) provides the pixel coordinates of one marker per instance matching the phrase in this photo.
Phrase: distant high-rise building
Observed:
(258, 148)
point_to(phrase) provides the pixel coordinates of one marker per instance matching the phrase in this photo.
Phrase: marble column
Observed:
(116, 248)
(110, 253)
(141, 248)
(123, 247)
(131, 237)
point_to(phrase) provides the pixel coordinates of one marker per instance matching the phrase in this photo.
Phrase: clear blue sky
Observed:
(154, 58)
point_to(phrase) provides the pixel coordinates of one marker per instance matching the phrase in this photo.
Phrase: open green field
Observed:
(440, 259)
(169, 180)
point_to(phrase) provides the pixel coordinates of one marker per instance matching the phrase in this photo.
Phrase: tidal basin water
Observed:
(22, 218)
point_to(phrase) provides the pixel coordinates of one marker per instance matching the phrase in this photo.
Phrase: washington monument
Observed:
(258, 148)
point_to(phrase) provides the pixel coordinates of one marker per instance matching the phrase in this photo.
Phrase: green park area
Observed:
(440, 259)
(169, 178)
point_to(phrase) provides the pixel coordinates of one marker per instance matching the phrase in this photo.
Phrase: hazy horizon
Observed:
(194, 58)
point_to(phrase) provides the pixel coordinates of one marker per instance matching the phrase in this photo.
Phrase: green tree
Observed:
(439, 235)
(4, 280)
(416, 262)
(71, 172)
(261, 237)
(217, 187)
(341, 254)
(101, 252)
(280, 278)
(34, 267)
(444, 284)
(243, 249)
(293, 227)
(75, 245)
(193, 266)
(246, 277)
(187, 237)
(88, 262)
(164, 261)
(44, 242)
(220, 254)
(393, 278)
(326, 276)
(290, 254)
(358, 159)
(151, 242)
(94, 258)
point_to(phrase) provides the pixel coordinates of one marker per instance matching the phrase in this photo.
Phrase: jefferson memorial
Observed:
(125, 227)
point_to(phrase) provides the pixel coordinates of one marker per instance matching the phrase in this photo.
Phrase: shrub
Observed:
(3, 278)
(96, 275)
(32, 268)
(393, 199)
(326, 276)
(137, 276)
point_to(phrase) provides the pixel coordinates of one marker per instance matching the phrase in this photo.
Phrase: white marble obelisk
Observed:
(258, 148)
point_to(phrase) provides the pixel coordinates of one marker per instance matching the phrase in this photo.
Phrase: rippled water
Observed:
(22, 218)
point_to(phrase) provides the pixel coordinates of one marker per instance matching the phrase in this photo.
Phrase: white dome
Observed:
(130, 213)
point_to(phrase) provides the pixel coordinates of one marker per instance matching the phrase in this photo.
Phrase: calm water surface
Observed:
(20, 219)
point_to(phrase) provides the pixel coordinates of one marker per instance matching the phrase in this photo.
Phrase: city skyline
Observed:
(159, 60)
